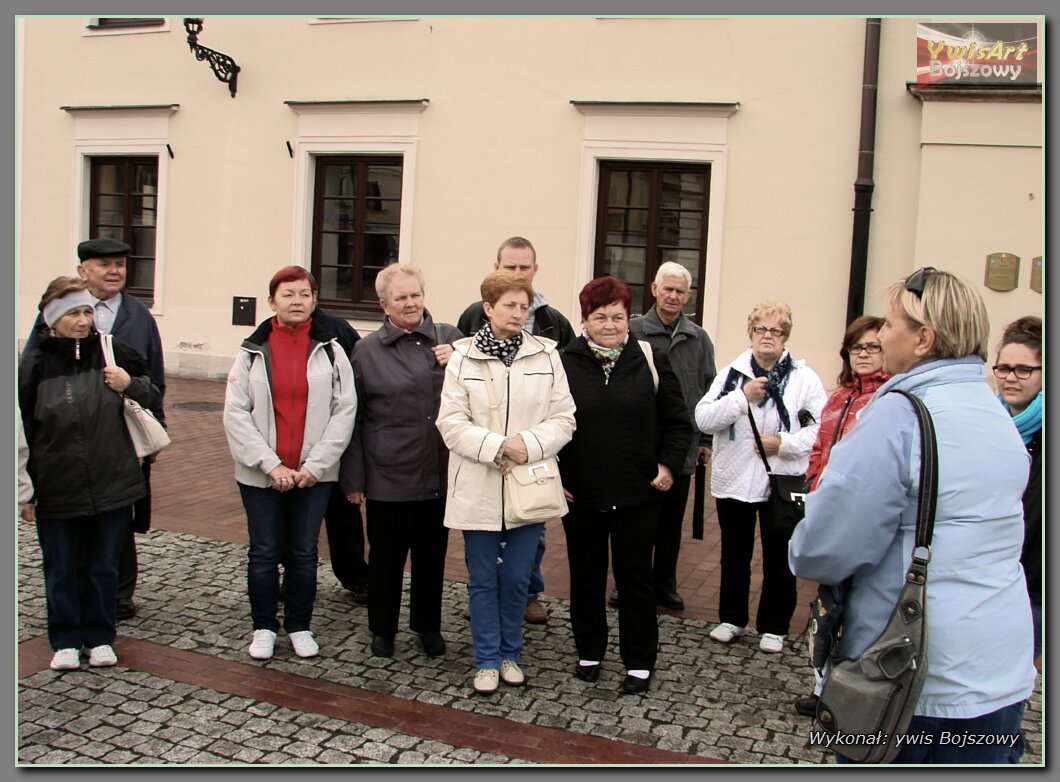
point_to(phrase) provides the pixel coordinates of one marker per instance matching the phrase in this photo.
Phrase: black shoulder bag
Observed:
(870, 701)
(787, 493)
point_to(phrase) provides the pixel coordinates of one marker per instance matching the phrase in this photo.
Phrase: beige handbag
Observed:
(147, 434)
(533, 491)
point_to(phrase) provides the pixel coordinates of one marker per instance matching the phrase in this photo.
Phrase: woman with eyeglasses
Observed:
(860, 524)
(785, 397)
(861, 375)
(1019, 383)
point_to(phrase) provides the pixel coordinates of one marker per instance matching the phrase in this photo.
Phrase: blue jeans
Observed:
(537, 581)
(81, 609)
(1036, 615)
(943, 738)
(283, 527)
(498, 575)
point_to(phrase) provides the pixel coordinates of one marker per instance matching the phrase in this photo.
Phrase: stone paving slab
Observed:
(711, 701)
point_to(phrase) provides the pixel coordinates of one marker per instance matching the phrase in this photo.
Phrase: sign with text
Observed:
(971, 53)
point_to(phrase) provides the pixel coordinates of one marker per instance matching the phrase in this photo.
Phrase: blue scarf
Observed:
(1029, 421)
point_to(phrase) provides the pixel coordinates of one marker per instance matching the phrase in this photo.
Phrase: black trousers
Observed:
(668, 535)
(777, 603)
(394, 530)
(345, 529)
(139, 521)
(631, 533)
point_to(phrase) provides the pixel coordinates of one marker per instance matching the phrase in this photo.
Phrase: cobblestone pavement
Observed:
(185, 691)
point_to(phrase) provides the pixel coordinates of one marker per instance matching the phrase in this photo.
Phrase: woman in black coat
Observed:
(83, 467)
(631, 438)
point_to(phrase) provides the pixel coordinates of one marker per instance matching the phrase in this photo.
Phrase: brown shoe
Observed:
(536, 614)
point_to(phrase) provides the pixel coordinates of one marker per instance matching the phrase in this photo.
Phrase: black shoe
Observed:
(358, 594)
(433, 644)
(670, 600)
(806, 705)
(587, 673)
(634, 686)
(125, 609)
(382, 646)
(613, 600)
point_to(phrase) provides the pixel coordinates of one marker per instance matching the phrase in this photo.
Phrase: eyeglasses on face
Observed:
(760, 330)
(865, 347)
(1022, 371)
(915, 281)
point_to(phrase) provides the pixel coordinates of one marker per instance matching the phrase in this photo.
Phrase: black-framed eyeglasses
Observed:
(915, 281)
(1022, 371)
(867, 347)
(760, 330)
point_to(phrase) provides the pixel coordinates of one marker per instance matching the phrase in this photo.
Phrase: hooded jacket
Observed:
(81, 458)
(534, 401)
(860, 523)
(250, 421)
(840, 413)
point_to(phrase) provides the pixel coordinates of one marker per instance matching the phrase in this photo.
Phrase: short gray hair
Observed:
(382, 280)
(671, 269)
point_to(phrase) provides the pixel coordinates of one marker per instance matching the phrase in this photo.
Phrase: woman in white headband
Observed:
(84, 470)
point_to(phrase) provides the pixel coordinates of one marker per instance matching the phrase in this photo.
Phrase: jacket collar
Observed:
(531, 346)
(389, 333)
(653, 324)
(256, 341)
(937, 372)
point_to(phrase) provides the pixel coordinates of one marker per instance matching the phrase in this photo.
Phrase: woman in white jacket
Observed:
(289, 413)
(536, 414)
(786, 398)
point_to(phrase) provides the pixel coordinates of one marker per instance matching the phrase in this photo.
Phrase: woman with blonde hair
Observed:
(860, 523)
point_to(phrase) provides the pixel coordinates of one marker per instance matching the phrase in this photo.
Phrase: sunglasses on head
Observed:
(915, 281)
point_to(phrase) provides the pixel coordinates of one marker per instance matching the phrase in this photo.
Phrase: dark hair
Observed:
(517, 243)
(1025, 331)
(59, 287)
(603, 291)
(291, 274)
(854, 332)
(500, 282)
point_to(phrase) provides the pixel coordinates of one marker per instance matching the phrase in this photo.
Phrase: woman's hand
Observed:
(282, 478)
(771, 444)
(515, 449)
(664, 481)
(568, 495)
(304, 479)
(355, 497)
(27, 511)
(442, 353)
(755, 390)
(116, 379)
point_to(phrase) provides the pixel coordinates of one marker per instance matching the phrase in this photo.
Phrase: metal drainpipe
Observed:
(863, 186)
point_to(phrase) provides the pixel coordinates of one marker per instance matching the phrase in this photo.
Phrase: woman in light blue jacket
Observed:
(860, 523)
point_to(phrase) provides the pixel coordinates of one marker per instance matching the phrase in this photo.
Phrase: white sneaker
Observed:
(486, 681)
(773, 644)
(262, 645)
(303, 643)
(102, 656)
(727, 633)
(511, 674)
(66, 660)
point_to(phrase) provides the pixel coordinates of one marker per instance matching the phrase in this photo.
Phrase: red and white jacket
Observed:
(840, 413)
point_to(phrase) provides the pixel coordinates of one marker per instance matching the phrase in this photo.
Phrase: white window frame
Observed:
(663, 132)
(90, 31)
(120, 131)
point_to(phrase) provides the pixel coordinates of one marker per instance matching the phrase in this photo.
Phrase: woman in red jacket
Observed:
(862, 374)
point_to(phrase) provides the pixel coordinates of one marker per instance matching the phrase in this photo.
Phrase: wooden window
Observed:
(647, 214)
(124, 198)
(356, 225)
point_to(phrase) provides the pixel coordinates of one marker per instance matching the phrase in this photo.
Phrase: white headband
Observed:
(56, 308)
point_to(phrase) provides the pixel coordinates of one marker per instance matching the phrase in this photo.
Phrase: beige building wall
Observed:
(499, 149)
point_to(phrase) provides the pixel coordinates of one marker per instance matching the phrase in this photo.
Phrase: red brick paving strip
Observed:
(352, 704)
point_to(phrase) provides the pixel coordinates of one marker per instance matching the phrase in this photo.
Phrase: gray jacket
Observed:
(396, 453)
(691, 355)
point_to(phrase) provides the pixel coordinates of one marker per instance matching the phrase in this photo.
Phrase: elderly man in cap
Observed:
(102, 266)
(516, 254)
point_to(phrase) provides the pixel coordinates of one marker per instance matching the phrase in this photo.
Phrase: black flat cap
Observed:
(102, 248)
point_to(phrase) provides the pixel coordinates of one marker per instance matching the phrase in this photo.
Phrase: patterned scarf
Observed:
(1029, 421)
(504, 349)
(606, 356)
(777, 381)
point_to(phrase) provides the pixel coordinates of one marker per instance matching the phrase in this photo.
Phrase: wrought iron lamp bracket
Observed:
(223, 66)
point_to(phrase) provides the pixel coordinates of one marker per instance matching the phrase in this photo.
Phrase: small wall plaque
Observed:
(244, 310)
(1002, 271)
(1036, 274)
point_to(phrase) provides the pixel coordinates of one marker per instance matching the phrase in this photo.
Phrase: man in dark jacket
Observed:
(516, 254)
(691, 353)
(103, 267)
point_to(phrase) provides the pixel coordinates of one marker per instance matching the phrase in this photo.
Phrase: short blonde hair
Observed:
(382, 280)
(500, 282)
(764, 309)
(951, 307)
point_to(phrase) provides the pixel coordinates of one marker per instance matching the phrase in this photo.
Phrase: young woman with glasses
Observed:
(1019, 384)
